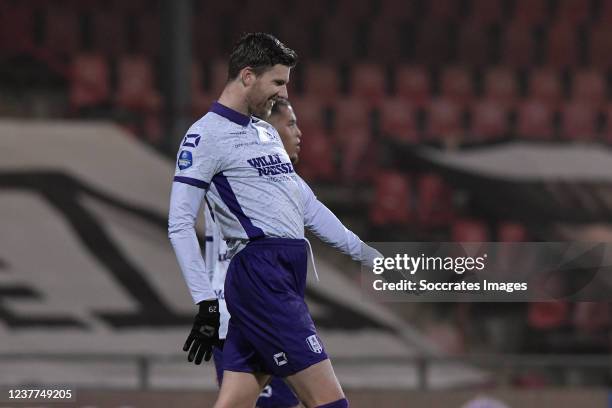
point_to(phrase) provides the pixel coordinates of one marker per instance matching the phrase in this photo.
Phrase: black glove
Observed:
(204, 333)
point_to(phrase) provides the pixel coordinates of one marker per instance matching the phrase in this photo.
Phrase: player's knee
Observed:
(341, 403)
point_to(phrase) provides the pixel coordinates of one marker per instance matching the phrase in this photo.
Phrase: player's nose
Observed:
(283, 92)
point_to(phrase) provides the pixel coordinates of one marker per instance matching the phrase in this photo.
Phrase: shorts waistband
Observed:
(276, 242)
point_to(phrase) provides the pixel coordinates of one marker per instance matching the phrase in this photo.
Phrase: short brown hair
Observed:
(260, 51)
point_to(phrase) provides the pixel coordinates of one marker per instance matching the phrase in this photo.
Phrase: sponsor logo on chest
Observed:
(270, 165)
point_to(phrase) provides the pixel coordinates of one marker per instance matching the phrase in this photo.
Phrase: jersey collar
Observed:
(230, 114)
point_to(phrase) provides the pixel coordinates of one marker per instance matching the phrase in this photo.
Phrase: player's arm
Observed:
(325, 225)
(195, 168)
(211, 236)
(185, 203)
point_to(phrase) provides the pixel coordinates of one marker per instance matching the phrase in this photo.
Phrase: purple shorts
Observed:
(270, 329)
(277, 394)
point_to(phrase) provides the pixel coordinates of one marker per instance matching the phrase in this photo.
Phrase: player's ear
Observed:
(247, 76)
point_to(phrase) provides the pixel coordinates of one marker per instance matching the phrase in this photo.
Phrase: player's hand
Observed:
(204, 333)
(368, 254)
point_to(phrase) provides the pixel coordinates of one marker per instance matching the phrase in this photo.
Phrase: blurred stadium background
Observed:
(423, 120)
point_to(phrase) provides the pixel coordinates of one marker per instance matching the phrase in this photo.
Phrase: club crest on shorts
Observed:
(314, 344)
(280, 359)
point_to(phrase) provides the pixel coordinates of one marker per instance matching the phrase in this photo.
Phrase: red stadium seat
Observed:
(473, 44)
(562, 48)
(573, 12)
(433, 42)
(295, 85)
(218, 8)
(443, 10)
(578, 121)
(309, 112)
(133, 6)
(201, 103)
(85, 5)
(534, 120)
(518, 45)
(263, 9)
(62, 31)
(486, 11)
(89, 81)
(200, 100)
(511, 232)
(589, 87)
(136, 87)
(355, 9)
(545, 85)
(434, 202)
(531, 11)
(300, 40)
(600, 45)
(358, 154)
(316, 156)
(604, 14)
(607, 111)
(109, 33)
(218, 76)
(16, 27)
(413, 84)
(351, 113)
(468, 230)
(501, 85)
(394, 10)
(590, 317)
(321, 81)
(489, 120)
(252, 18)
(384, 41)
(547, 315)
(398, 120)
(148, 31)
(309, 10)
(338, 39)
(444, 120)
(368, 82)
(457, 85)
(153, 128)
(206, 41)
(392, 199)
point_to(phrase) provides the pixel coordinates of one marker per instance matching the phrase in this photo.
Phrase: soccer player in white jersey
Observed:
(320, 220)
(238, 163)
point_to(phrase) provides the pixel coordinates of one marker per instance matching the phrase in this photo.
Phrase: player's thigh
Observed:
(316, 385)
(240, 390)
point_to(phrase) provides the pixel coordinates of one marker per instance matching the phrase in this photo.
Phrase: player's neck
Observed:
(234, 99)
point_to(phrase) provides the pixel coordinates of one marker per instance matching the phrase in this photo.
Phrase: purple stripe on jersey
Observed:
(229, 198)
(191, 181)
(209, 238)
(230, 114)
(211, 212)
